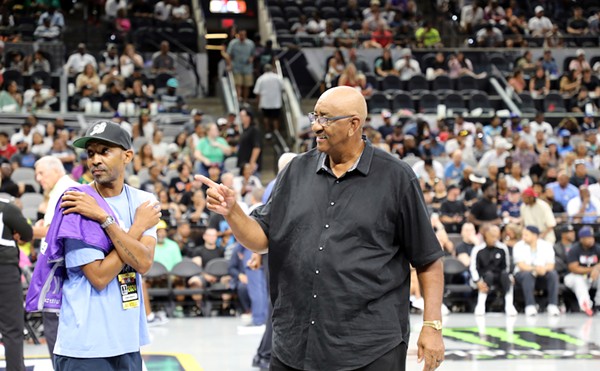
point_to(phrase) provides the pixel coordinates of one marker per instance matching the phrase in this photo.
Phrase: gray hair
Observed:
(50, 162)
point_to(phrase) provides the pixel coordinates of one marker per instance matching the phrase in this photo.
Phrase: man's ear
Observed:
(354, 126)
(128, 156)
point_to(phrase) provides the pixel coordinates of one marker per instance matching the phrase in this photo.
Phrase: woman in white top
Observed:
(517, 179)
(129, 60)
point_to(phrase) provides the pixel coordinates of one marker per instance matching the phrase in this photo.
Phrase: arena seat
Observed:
(378, 102)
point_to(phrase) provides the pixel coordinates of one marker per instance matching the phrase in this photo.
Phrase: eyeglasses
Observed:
(324, 121)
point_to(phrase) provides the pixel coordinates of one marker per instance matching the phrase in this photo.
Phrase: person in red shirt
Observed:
(6, 149)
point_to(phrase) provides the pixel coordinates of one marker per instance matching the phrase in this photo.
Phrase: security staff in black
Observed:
(11, 290)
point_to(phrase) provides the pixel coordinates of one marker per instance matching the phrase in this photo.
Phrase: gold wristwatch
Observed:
(436, 324)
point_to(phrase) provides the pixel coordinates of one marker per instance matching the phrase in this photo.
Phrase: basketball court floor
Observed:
(490, 343)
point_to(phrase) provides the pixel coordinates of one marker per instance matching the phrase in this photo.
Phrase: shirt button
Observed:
(332, 203)
(314, 296)
(317, 271)
(312, 322)
(337, 182)
(326, 225)
(320, 248)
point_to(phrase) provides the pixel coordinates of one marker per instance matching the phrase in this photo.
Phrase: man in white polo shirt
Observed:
(268, 90)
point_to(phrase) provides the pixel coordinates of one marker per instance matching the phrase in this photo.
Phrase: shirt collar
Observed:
(362, 164)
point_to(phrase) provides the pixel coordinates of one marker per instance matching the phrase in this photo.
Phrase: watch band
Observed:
(436, 324)
(109, 220)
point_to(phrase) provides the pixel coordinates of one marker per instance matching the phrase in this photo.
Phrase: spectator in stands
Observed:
(591, 83)
(24, 157)
(549, 64)
(109, 59)
(381, 37)
(471, 17)
(327, 36)
(496, 156)
(197, 214)
(142, 99)
(55, 16)
(454, 169)
(361, 65)
(490, 270)
(7, 149)
(525, 63)
(510, 210)
(180, 12)
(439, 66)
(486, 209)
(589, 126)
(524, 155)
(112, 6)
(384, 65)
(170, 101)
(570, 83)
(407, 66)
(594, 23)
(578, 25)
(112, 97)
(539, 25)
(584, 208)
(538, 213)
(539, 84)
(452, 210)
(428, 36)
(129, 60)
(211, 150)
(562, 248)
(162, 10)
(517, 179)
(250, 145)
(344, 35)
(88, 77)
(582, 102)
(10, 98)
(78, 60)
(489, 37)
(495, 13)
(351, 12)
(335, 66)
(268, 90)
(465, 247)
(163, 61)
(579, 63)
(562, 189)
(316, 24)
(351, 77)
(539, 124)
(534, 266)
(429, 170)
(38, 62)
(517, 81)
(300, 27)
(46, 32)
(239, 58)
(38, 99)
(584, 269)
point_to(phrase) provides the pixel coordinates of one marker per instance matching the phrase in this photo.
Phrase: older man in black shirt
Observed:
(342, 225)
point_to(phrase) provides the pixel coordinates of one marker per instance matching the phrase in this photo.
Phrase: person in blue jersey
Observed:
(102, 322)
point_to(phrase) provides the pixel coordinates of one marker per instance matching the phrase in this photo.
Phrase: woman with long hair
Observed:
(143, 159)
(10, 98)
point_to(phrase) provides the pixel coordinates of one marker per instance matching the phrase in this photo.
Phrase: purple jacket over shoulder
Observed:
(45, 289)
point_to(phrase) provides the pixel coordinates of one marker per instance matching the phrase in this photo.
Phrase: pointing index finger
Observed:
(206, 181)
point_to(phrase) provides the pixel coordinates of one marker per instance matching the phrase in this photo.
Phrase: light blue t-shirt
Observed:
(93, 324)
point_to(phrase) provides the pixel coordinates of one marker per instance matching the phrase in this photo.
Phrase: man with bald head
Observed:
(343, 225)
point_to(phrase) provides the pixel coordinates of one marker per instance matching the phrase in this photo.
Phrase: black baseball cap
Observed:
(106, 131)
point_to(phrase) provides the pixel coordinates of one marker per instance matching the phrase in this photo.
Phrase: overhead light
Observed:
(212, 36)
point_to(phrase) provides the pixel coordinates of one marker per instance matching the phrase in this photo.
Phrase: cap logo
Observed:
(98, 129)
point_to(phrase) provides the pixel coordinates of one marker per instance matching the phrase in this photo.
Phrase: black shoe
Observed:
(261, 363)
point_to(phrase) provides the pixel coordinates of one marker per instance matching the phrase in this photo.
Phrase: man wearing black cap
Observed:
(562, 248)
(114, 321)
(534, 267)
(584, 270)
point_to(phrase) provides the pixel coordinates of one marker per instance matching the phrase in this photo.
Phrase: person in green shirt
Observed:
(211, 149)
(167, 251)
(428, 37)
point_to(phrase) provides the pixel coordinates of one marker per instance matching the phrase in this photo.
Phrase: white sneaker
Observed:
(445, 310)
(156, 319)
(530, 311)
(510, 310)
(553, 310)
(479, 310)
